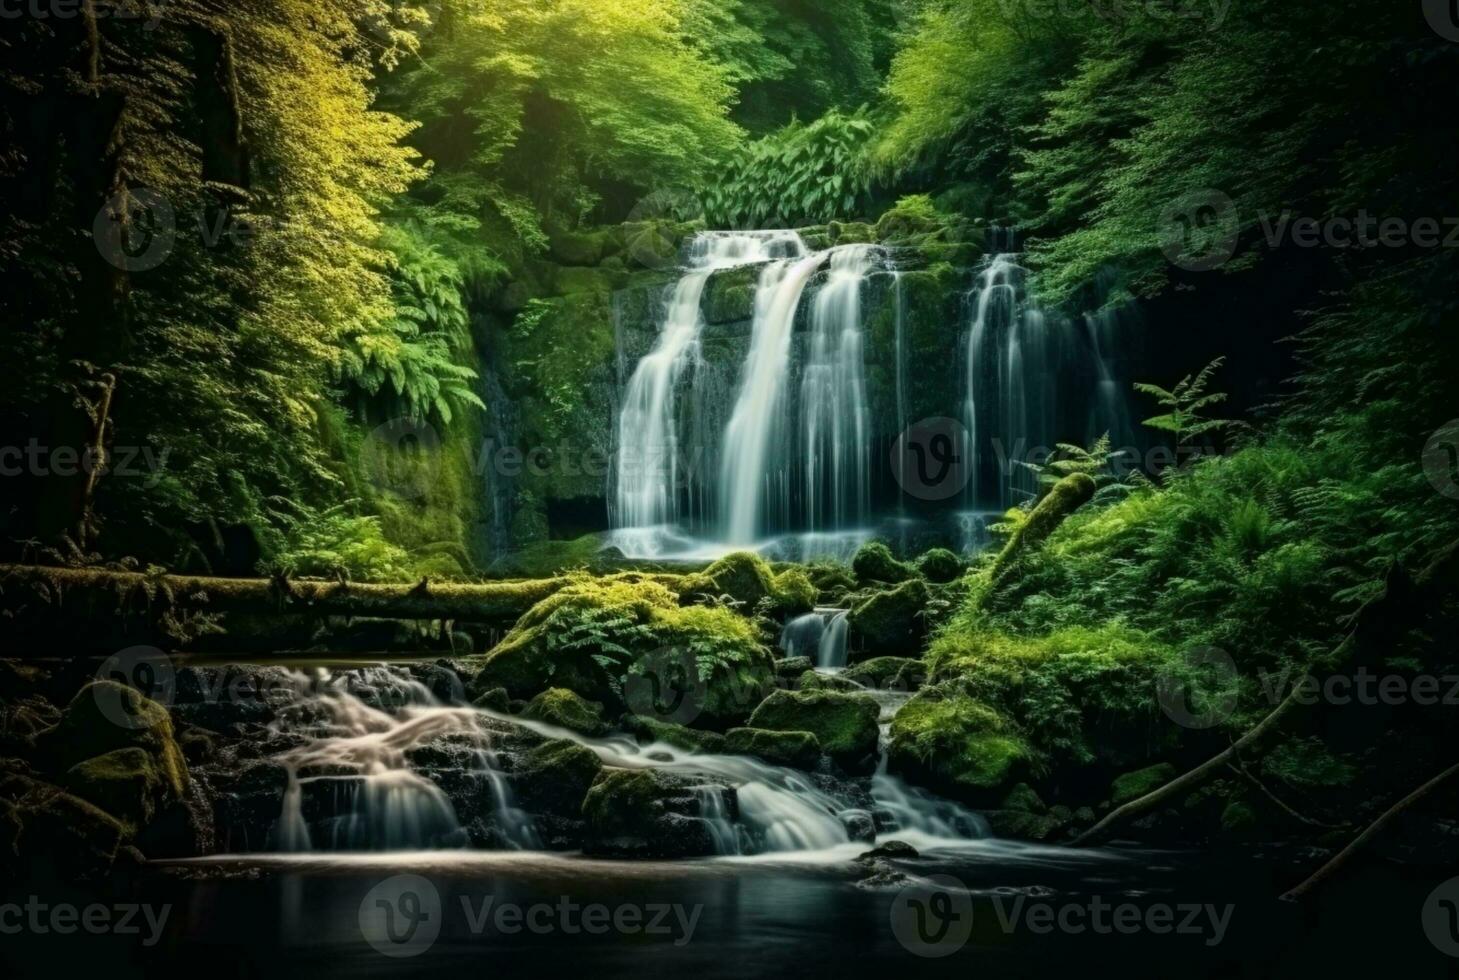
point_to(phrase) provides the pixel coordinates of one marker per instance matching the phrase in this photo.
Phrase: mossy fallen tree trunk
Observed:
(1067, 496)
(67, 592)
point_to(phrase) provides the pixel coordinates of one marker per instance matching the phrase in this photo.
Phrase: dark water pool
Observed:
(997, 910)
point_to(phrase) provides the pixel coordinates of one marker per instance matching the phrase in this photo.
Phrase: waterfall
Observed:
(647, 464)
(1011, 384)
(747, 478)
(836, 422)
(820, 635)
(902, 420)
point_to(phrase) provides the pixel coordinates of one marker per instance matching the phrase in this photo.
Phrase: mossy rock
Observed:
(571, 280)
(497, 699)
(851, 233)
(793, 593)
(579, 247)
(555, 777)
(812, 680)
(650, 813)
(844, 724)
(890, 623)
(798, 750)
(105, 716)
(1023, 797)
(940, 565)
(957, 746)
(791, 668)
(729, 296)
(48, 831)
(1133, 785)
(627, 635)
(648, 730)
(1024, 825)
(565, 709)
(744, 577)
(875, 564)
(832, 580)
(126, 783)
(888, 673)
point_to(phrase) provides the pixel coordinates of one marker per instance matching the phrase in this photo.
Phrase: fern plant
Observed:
(1186, 401)
(414, 361)
(805, 173)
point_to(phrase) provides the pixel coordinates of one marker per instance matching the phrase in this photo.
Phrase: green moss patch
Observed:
(844, 724)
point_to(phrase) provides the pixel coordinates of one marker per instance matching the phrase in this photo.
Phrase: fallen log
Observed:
(1373, 830)
(37, 590)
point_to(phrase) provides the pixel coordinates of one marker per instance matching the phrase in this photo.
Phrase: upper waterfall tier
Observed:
(648, 458)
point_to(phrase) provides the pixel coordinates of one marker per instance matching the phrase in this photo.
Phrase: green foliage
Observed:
(415, 363)
(802, 174)
(1081, 693)
(334, 542)
(1186, 401)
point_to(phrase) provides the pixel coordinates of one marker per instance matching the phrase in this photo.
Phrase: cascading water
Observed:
(820, 635)
(1013, 366)
(836, 422)
(369, 777)
(647, 464)
(749, 479)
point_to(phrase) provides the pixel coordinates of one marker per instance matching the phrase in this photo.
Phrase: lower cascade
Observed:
(375, 760)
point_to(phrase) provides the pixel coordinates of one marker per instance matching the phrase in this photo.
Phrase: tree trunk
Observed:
(68, 593)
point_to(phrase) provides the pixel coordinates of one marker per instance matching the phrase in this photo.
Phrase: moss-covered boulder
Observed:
(650, 813)
(793, 593)
(813, 680)
(626, 642)
(554, 778)
(565, 709)
(791, 668)
(105, 716)
(940, 565)
(955, 745)
(875, 564)
(127, 783)
(891, 622)
(649, 730)
(798, 750)
(1133, 785)
(579, 247)
(888, 673)
(844, 724)
(729, 296)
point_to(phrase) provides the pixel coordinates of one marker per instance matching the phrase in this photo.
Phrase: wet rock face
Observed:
(648, 813)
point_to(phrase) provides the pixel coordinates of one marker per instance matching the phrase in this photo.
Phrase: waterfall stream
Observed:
(359, 778)
(647, 465)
